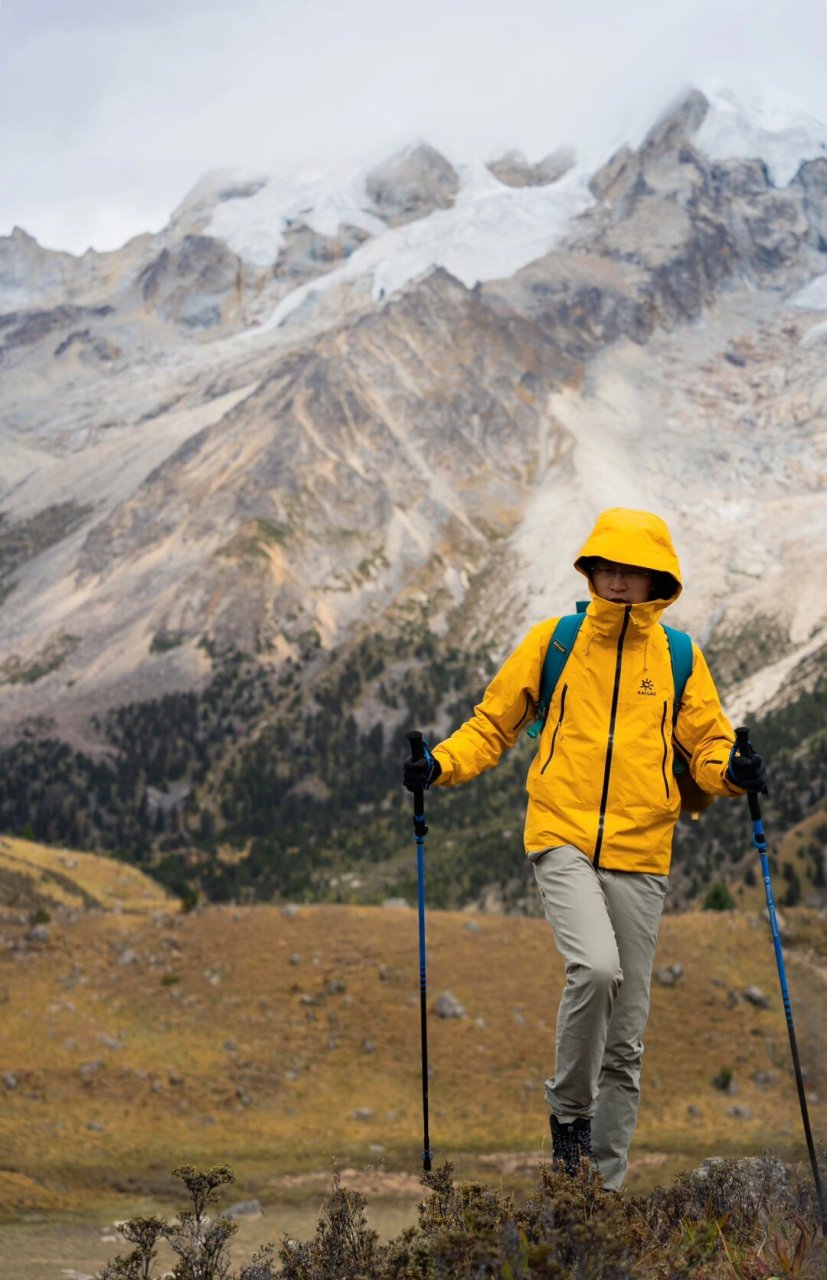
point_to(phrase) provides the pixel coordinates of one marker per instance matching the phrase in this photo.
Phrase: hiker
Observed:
(602, 806)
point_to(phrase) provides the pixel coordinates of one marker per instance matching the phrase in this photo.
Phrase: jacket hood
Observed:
(635, 537)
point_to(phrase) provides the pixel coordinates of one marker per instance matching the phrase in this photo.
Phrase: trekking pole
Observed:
(759, 839)
(420, 831)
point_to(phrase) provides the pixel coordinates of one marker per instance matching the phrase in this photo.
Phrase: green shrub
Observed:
(719, 898)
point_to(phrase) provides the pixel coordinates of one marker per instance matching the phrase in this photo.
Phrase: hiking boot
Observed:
(571, 1143)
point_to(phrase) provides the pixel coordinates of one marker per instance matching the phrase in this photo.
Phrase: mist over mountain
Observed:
(289, 476)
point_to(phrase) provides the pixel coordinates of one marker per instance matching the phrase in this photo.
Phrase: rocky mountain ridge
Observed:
(282, 444)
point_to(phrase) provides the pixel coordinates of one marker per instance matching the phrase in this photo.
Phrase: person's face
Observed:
(622, 583)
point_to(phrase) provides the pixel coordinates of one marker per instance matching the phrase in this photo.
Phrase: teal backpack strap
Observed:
(559, 647)
(682, 657)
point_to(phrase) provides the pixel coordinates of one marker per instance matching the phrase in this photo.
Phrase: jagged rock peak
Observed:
(412, 183)
(514, 170)
(681, 119)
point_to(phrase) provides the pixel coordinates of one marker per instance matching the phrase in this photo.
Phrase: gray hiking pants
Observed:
(605, 926)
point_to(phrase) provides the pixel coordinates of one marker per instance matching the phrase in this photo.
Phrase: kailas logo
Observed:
(647, 687)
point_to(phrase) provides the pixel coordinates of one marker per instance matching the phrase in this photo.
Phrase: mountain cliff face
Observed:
(294, 422)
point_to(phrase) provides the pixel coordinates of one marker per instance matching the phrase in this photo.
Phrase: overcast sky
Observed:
(110, 110)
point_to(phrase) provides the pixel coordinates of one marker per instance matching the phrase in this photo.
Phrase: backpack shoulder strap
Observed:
(559, 647)
(682, 657)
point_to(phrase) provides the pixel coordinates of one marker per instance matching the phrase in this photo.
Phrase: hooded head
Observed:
(636, 538)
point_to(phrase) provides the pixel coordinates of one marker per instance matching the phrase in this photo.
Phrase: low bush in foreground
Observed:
(729, 1220)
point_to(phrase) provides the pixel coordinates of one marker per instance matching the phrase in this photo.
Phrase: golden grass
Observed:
(65, 877)
(241, 1034)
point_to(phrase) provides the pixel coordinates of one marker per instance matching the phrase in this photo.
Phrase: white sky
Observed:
(110, 110)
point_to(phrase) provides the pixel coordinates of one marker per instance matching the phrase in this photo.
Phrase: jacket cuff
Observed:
(444, 761)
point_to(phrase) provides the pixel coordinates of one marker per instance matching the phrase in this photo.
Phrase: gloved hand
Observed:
(417, 775)
(748, 772)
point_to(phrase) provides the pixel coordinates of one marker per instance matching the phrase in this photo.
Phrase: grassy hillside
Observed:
(36, 877)
(281, 1040)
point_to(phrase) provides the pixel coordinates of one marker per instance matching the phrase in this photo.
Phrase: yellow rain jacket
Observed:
(602, 777)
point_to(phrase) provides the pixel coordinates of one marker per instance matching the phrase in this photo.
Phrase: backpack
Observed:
(693, 799)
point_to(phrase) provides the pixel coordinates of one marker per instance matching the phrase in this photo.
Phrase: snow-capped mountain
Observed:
(319, 405)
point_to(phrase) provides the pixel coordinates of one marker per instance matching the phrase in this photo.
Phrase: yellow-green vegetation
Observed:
(279, 1040)
(36, 874)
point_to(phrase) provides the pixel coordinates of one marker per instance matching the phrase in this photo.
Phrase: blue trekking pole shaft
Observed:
(759, 839)
(420, 831)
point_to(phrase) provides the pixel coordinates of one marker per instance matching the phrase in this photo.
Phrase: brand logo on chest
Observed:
(647, 688)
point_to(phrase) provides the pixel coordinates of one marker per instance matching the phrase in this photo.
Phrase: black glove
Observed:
(747, 771)
(417, 775)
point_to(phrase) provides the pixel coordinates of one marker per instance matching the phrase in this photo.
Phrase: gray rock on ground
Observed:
(447, 1006)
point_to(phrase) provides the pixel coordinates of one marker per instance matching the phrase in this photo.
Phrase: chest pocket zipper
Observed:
(665, 748)
(557, 726)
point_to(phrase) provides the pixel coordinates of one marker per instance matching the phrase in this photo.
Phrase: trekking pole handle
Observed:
(417, 753)
(742, 746)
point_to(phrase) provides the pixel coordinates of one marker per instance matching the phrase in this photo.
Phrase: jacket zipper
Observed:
(665, 751)
(529, 706)
(556, 727)
(604, 798)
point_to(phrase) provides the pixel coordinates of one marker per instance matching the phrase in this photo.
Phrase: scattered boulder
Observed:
(10, 1080)
(363, 1113)
(290, 911)
(668, 975)
(245, 1209)
(764, 1078)
(756, 996)
(395, 902)
(447, 1006)
(39, 933)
